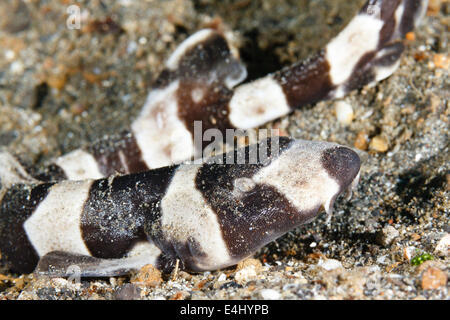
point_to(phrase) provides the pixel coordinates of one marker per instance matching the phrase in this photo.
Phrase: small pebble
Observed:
(10, 55)
(132, 47)
(415, 237)
(148, 276)
(128, 292)
(408, 252)
(379, 144)
(222, 277)
(410, 36)
(56, 81)
(387, 235)
(430, 264)
(329, 264)
(270, 294)
(441, 61)
(443, 247)
(249, 263)
(434, 6)
(433, 278)
(382, 259)
(247, 270)
(142, 40)
(180, 295)
(245, 275)
(344, 112)
(362, 141)
(17, 67)
(112, 281)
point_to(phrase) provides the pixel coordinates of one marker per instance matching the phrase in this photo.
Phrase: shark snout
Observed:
(342, 164)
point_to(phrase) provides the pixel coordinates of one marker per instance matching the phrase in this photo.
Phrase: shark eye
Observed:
(242, 185)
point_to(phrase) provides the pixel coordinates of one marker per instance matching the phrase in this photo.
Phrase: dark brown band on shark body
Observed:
(362, 74)
(212, 110)
(118, 155)
(17, 205)
(306, 82)
(390, 24)
(388, 9)
(365, 70)
(245, 232)
(117, 210)
(411, 10)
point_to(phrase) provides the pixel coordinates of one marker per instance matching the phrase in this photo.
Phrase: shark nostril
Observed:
(342, 164)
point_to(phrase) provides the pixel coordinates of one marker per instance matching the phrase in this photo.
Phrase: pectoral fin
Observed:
(64, 264)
